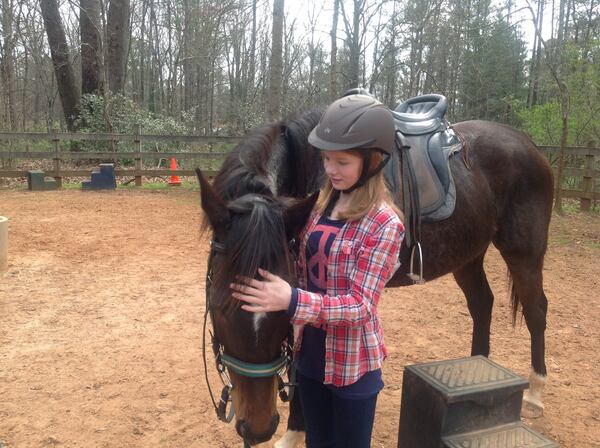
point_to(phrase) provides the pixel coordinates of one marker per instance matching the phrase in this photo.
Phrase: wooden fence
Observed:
(583, 162)
(137, 155)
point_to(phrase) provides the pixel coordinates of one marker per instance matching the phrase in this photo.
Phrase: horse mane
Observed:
(245, 170)
(302, 164)
(274, 160)
(254, 241)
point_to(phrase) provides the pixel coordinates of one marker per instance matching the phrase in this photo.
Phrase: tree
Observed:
(274, 104)
(7, 62)
(63, 69)
(90, 28)
(333, 93)
(116, 42)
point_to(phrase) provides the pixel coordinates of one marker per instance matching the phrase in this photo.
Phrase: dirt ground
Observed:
(101, 311)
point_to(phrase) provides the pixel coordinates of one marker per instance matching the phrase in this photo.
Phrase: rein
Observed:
(224, 361)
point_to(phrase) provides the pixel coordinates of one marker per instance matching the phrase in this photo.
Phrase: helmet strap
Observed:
(365, 175)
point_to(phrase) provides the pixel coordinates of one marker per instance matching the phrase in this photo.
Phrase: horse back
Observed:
(503, 184)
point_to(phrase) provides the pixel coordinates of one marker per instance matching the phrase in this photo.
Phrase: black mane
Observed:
(275, 159)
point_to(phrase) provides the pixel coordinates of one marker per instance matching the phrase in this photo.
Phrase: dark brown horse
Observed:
(503, 196)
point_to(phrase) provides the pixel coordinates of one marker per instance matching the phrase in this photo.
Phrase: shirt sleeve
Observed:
(372, 269)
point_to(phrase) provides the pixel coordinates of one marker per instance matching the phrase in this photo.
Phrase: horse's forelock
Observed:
(255, 240)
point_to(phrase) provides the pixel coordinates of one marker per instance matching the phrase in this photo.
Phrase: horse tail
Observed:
(514, 298)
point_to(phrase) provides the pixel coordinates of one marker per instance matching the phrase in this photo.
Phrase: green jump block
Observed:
(37, 182)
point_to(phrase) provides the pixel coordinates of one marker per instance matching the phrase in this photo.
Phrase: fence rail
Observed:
(589, 173)
(138, 156)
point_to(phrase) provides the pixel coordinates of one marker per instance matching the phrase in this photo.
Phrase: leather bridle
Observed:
(225, 362)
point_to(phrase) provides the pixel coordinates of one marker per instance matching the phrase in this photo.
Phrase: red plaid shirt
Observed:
(362, 259)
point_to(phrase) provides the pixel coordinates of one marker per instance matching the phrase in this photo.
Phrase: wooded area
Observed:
(224, 66)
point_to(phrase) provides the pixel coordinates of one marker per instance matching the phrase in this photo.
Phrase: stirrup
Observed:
(416, 278)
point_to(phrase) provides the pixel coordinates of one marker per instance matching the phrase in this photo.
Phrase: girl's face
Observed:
(342, 167)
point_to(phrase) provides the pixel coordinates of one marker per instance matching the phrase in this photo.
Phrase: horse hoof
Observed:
(532, 408)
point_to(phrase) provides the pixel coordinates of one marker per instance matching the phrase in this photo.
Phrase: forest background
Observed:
(224, 66)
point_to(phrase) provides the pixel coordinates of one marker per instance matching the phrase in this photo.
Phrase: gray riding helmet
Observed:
(354, 122)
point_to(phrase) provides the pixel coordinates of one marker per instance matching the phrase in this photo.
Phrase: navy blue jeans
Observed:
(332, 421)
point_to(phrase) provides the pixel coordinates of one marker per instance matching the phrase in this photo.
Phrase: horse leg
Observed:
(295, 425)
(480, 299)
(528, 291)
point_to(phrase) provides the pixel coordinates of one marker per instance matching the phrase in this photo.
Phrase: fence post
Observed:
(585, 201)
(56, 159)
(137, 143)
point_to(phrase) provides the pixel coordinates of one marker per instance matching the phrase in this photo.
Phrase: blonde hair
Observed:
(372, 194)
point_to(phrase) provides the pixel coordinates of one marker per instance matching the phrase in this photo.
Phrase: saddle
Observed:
(429, 142)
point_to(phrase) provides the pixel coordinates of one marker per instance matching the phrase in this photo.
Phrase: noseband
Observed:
(224, 361)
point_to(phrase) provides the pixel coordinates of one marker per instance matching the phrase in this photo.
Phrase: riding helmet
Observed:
(355, 122)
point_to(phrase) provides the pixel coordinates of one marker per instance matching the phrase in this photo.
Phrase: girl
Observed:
(349, 250)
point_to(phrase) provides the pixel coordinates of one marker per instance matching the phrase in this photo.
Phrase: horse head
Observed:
(250, 232)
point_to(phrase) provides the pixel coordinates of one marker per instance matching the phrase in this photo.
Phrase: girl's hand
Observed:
(270, 294)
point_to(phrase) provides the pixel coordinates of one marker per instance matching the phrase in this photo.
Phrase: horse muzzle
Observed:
(245, 431)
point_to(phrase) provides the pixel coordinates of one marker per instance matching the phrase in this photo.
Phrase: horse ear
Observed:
(213, 206)
(296, 215)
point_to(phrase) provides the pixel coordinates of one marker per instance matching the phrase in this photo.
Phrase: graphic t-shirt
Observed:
(311, 361)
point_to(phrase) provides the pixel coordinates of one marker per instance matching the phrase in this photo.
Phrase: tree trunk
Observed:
(251, 73)
(63, 69)
(534, 76)
(92, 79)
(142, 60)
(189, 76)
(7, 64)
(117, 26)
(333, 93)
(564, 133)
(354, 45)
(274, 102)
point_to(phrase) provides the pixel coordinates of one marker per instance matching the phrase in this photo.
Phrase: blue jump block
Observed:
(102, 179)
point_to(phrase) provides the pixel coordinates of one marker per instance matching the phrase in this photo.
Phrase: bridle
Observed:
(223, 361)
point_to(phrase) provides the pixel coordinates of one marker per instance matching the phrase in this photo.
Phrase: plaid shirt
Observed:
(362, 259)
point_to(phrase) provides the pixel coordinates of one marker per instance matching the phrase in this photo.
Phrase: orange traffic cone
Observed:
(175, 180)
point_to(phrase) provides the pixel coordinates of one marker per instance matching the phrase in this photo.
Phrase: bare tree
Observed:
(7, 62)
(333, 70)
(90, 28)
(116, 42)
(353, 35)
(274, 103)
(63, 69)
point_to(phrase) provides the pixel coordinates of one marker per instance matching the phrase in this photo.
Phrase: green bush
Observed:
(117, 114)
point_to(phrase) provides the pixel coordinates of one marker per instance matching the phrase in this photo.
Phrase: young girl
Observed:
(349, 250)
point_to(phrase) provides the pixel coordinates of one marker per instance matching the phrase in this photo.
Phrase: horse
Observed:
(504, 190)
(252, 228)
